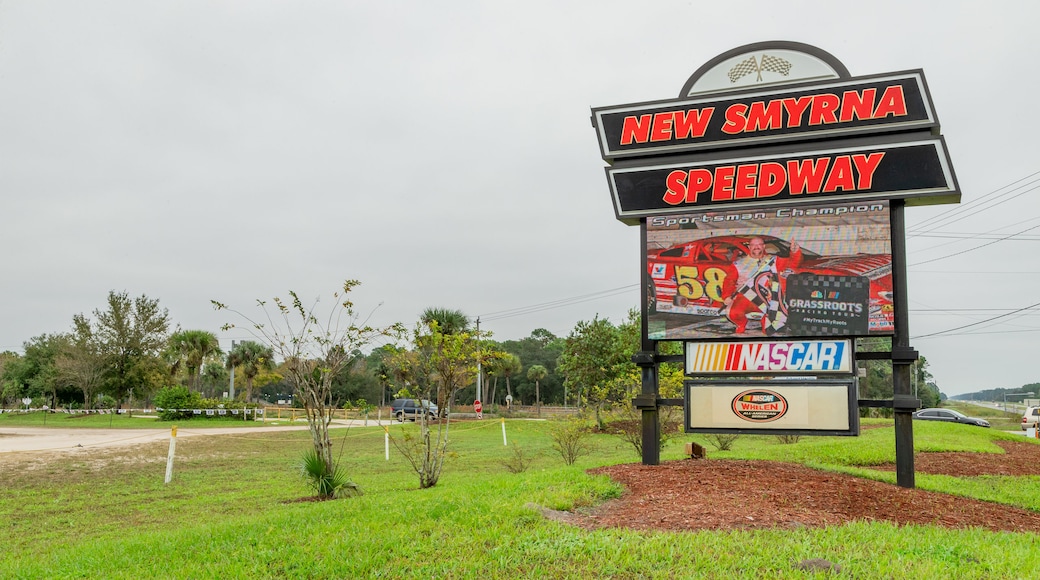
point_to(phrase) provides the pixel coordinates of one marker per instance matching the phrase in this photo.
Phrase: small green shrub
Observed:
(325, 483)
(570, 439)
(722, 441)
(176, 403)
(520, 461)
(106, 402)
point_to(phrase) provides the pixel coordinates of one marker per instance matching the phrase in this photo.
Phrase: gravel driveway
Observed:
(22, 439)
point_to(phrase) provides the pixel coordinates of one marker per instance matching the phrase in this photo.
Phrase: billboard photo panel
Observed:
(818, 270)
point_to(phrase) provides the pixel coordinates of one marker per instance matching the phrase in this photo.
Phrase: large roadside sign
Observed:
(769, 195)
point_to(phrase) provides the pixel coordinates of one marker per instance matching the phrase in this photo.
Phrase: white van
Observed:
(1030, 418)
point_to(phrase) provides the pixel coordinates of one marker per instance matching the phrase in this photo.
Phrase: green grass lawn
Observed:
(231, 512)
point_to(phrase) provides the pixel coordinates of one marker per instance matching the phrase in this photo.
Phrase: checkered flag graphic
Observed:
(744, 68)
(763, 290)
(774, 64)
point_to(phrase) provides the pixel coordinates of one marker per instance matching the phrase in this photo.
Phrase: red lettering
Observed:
(866, 165)
(823, 107)
(795, 108)
(763, 116)
(746, 177)
(735, 121)
(635, 129)
(662, 130)
(676, 192)
(699, 182)
(892, 103)
(723, 189)
(840, 176)
(807, 175)
(860, 106)
(771, 179)
(692, 123)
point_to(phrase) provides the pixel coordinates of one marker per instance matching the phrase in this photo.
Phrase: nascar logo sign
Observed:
(796, 356)
(759, 405)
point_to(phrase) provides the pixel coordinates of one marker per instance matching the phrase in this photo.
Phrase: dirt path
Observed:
(28, 439)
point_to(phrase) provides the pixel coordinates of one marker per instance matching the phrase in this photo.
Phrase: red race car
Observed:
(691, 278)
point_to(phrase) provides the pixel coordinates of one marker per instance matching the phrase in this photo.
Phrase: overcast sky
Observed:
(441, 153)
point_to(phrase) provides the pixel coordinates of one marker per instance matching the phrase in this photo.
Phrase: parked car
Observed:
(403, 409)
(949, 416)
(1030, 418)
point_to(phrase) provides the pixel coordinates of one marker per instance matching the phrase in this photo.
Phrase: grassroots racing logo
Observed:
(759, 406)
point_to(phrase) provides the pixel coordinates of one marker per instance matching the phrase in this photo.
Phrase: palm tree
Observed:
(214, 375)
(194, 347)
(510, 366)
(537, 373)
(448, 321)
(252, 357)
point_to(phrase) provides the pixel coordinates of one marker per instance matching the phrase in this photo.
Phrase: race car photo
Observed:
(700, 278)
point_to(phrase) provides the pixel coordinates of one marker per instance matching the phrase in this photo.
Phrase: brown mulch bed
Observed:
(699, 494)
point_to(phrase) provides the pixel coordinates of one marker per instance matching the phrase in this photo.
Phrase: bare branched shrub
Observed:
(520, 461)
(722, 441)
(314, 348)
(788, 439)
(570, 439)
(626, 422)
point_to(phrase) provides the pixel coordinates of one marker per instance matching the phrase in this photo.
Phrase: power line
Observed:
(977, 323)
(951, 310)
(520, 311)
(978, 235)
(974, 248)
(998, 332)
(956, 210)
(970, 236)
(987, 272)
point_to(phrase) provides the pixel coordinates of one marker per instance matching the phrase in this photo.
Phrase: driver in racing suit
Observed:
(756, 273)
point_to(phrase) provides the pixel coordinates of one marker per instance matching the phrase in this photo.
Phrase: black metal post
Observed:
(647, 361)
(903, 402)
(651, 423)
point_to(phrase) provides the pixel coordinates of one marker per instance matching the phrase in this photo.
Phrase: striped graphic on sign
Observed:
(799, 356)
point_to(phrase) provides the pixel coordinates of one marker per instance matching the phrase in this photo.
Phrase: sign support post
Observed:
(903, 402)
(646, 402)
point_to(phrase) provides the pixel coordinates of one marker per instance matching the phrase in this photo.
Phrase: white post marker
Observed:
(169, 458)
(504, 432)
(386, 441)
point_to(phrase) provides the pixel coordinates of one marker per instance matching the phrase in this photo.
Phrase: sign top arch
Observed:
(763, 64)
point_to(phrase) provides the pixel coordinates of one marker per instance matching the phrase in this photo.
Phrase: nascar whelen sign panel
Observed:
(815, 407)
(788, 270)
(777, 357)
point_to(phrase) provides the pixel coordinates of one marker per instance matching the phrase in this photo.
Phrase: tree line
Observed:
(127, 351)
(122, 353)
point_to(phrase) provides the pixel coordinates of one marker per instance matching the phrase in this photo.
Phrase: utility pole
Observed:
(231, 389)
(480, 359)
(1013, 395)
